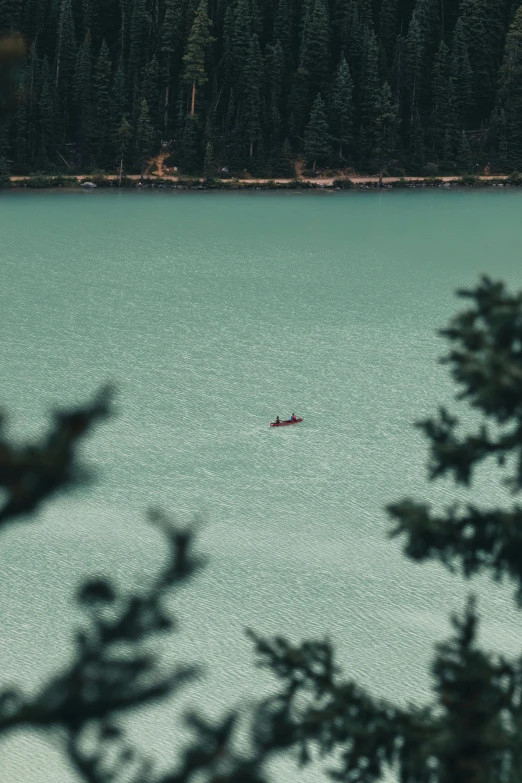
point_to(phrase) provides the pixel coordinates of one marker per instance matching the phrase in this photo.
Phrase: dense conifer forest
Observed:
(403, 86)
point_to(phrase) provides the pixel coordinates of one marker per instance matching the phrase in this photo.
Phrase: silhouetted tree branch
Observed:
(471, 732)
(30, 474)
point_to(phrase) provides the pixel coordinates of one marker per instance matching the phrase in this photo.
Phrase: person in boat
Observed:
(293, 417)
(277, 421)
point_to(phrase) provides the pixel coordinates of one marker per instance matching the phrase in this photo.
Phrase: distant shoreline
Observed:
(39, 181)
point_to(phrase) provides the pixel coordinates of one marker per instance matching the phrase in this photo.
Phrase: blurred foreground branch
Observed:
(33, 473)
(471, 732)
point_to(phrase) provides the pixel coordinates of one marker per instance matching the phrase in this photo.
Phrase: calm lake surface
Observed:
(213, 313)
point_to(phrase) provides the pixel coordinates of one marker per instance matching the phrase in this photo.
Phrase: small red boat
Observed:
(284, 423)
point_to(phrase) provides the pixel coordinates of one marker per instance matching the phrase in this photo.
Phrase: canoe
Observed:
(284, 423)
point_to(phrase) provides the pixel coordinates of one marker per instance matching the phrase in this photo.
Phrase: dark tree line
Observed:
(413, 86)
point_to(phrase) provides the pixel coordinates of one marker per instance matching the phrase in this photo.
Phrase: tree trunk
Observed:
(251, 148)
(193, 104)
(122, 6)
(121, 170)
(413, 96)
(166, 114)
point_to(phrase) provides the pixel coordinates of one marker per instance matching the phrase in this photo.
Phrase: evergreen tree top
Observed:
(197, 46)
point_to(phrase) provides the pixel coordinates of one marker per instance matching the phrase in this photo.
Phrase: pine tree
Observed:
(119, 104)
(385, 131)
(442, 113)
(32, 98)
(421, 41)
(252, 101)
(342, 12)
(483, 29)
(156, 13)
(48, 35)
(298, 103)
(106, 24)
(415, 60)
(196, 52)
(499, 129)
(228, 48)
(275, 130)
(20, 150)
(10, 16)
(511, 68)
(304, 13)
(353, 39)
(83, 96)
(191, 7)
(461, 76)
(369, 96)
(123, 142)
(464, 157)
(240, 41)
(317, 137)
(388, 28)
(256, 10)
(92, 18)
(190, 155)
(366, 14)
(65, 65)
(47, 114)
(275, 72)
(27, 98)
(126, 9)
(151, 91)
(103, 109)
(342, 110)
(5, 173)
(33, 19)
(286, 164)
(398, 73)
(233, 152)
(145, 140)
(4, 142)
(138, 35)
(510, 94)
(283, 32)
(209, 161)
(87, 17)
(66, 49)
(417, 144)
(170, 53)
(315, 51)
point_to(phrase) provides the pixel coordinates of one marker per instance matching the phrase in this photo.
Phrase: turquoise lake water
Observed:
(213, 313)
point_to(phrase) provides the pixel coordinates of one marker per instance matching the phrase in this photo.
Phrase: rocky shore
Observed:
(210, 183)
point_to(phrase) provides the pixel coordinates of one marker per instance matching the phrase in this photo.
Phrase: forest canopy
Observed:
(406, 86)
